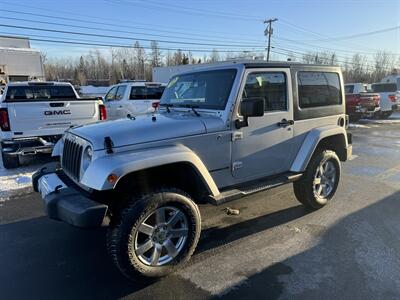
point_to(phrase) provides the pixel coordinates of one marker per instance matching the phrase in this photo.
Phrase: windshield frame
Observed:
(196, 104)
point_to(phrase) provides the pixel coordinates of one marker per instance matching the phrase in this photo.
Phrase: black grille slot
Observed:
(71, 160)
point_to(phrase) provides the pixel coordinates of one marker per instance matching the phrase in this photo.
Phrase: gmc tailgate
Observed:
(38, 118)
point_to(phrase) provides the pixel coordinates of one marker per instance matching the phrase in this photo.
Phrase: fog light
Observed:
(112, 178)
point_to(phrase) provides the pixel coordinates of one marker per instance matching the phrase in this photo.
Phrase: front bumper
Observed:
(65, 203)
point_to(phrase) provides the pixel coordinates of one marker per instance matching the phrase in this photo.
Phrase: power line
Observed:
(125, 21)
(355, 35)
(290, 53)
(110, 30)
(179, 9)
(104, 44)
(115, 25)
(122, 37)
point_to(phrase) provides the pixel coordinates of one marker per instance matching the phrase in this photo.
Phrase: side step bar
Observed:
(254, 187)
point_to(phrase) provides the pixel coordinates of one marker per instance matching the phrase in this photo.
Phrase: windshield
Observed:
(43, 92)
(384, 87)
(209, 89)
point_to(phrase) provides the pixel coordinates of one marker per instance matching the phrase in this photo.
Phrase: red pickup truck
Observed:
(359, 102)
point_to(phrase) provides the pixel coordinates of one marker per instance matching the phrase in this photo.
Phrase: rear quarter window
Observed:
(317, 89)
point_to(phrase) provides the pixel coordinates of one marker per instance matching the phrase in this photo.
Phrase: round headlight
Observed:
(87, 157)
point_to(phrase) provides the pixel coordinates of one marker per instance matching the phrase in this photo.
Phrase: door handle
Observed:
(285, 123)
(56, 104)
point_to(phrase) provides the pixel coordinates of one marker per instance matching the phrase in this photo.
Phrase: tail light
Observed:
(393, 98)
(4, 120)
(103, 112)
(155, 105)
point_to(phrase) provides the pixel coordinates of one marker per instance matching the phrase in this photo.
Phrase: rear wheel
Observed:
(155, 234)
(320, 181)
(10, 161)
(355, 117)
(387, 114)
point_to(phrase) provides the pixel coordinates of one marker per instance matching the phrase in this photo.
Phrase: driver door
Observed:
(264, 147)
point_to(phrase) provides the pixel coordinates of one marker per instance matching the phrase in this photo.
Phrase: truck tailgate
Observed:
(37, 118)
(369, 100)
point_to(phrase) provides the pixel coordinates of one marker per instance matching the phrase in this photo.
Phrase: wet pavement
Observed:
(275, 249)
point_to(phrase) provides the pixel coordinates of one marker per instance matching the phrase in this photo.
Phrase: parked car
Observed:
(133, 98)
(221, 133)
(390, 98)
(359, 102)
(34, 115)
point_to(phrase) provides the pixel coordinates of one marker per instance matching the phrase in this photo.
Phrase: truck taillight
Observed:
(155, 105)
(103, 112)
(393, 98)
(4, 120)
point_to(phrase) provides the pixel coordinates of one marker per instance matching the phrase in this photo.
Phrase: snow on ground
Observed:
(394, 119)
(15, 181)
(353, 125)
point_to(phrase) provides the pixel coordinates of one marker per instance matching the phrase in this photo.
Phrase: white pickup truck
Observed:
(34, 115)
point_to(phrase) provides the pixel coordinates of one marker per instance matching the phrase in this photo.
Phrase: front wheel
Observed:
(320, 181)
(155, 234)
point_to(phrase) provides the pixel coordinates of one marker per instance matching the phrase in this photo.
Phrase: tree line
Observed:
(107, 68)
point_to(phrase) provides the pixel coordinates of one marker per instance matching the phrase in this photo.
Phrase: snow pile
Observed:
(15, 181)
(352, 125)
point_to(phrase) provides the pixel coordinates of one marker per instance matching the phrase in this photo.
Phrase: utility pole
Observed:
(268, 32)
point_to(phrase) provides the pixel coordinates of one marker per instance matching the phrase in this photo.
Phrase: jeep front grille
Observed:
(71, 159)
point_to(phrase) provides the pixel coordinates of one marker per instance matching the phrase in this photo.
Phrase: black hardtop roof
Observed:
(282, 64)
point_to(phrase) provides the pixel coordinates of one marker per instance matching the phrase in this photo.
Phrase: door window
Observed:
(271, 86)
(120, 92)
(111, 94)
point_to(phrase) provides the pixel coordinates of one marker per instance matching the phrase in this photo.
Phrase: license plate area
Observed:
(48, 184)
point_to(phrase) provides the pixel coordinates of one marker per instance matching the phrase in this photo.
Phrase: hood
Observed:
(144, 129)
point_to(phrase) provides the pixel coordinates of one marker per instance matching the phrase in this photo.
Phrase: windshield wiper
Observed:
(167, 106)
(193, 108)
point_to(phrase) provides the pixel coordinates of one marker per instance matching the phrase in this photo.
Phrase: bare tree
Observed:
(156, 60)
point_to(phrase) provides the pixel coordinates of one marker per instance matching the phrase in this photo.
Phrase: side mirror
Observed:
(250, 107)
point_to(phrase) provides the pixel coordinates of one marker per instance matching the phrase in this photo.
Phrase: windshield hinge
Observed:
(237, 135)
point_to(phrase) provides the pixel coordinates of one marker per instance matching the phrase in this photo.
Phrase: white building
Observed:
(18, 62)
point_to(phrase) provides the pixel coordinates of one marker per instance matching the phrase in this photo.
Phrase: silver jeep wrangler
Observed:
(222, 132)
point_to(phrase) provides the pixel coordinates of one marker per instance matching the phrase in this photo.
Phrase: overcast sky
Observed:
(206, 24)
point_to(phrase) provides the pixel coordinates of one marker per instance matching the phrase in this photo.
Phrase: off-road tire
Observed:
(120, 235)
(303, 188)
(10, 161)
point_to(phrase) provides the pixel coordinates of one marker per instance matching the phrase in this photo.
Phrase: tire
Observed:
(307, 190)
(126, 240)
(355, 118)
(387, 114)
(10, 161)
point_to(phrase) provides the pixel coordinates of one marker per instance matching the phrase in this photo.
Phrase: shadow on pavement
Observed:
(357, 258)
(45, 259)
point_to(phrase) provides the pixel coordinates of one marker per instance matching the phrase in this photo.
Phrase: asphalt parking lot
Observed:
(274, 249)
